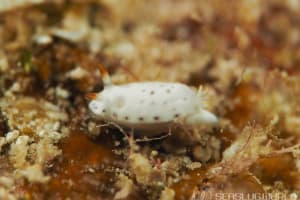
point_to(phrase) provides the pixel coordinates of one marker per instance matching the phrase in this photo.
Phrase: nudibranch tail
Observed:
(203, 116)
(105, 76)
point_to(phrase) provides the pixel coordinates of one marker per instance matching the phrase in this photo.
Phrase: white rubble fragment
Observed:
(11, 136)
(77, 73)
(167, 194)
(141, 167)
(126, 186)
(5, 194)
(125, 49)
(293, 196)
(3, 64)
(194, 165)
(75, 26)
(6, 181)
(33, 173)
(63, 93)
(18, 151)
(11, 4)
(43, 39)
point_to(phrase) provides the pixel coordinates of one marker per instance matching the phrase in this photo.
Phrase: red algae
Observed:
(80, 172)
(244, 99)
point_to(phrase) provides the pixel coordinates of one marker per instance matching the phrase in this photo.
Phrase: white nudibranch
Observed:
(150, 108)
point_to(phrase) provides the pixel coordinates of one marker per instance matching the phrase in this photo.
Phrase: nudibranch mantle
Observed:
(149, 107)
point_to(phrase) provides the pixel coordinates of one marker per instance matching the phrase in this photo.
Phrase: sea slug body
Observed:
(148, 107)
